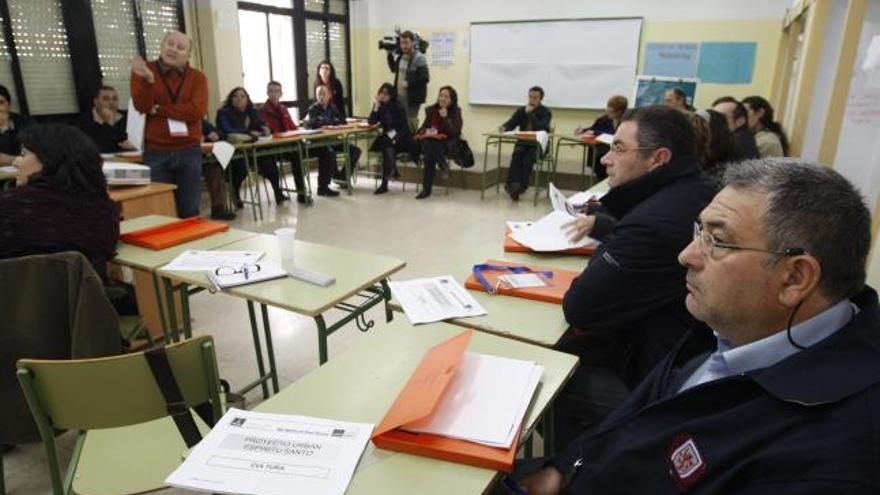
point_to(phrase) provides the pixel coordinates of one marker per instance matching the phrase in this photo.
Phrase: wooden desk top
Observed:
(361, 384)
(123, 193)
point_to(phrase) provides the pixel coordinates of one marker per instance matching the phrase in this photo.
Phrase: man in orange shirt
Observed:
(174, 96)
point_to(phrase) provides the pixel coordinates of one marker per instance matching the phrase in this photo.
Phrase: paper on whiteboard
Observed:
(425, 300)
(223, 152)
(547, 234)
(134, 126)
(274, 454)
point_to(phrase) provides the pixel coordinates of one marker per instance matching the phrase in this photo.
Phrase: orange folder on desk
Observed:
(174, 233)
(511, 246)
(553, 293)
(418, 400)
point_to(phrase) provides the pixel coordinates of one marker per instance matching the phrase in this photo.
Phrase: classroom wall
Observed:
(682, 20)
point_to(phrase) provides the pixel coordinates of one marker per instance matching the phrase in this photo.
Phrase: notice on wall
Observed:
(671, 59)
(442, 48)
(727, 63)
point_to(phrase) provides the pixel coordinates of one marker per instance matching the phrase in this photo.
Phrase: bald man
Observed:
(174, 96)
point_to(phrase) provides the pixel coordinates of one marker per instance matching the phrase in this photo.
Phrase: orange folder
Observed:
(511, 246)
(552, 293)
(416, 403)
(174, 233)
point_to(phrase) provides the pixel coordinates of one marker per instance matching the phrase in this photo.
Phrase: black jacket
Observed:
(537, 120)
(106, 136)
(745, 143)
(629, 301)
(392, 116)
(321, 116)
(417, 76)
(9, 142)
(809, 424)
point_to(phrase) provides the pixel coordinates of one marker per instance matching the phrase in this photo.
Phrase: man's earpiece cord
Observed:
(788, 330)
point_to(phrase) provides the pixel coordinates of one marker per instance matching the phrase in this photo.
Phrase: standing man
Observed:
(737, 121)
(174, 96)
(532, 117)
(411, 76)
(105, 124)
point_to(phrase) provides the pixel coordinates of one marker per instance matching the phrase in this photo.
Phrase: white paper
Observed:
(605, 138)
(872, 55)
(391, 134)
(560, 203)
(134, 126)
(274, 454)
(426, 300)
(9, 169)
(541, 136)
(198, 261)
(177, 128)
(584, 197)
(547, 234)
(268, 271)
(518, 225)
(223, 152)
(485, 401)
(522, 280)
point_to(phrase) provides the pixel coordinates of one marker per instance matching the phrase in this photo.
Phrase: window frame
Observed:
(83, 45)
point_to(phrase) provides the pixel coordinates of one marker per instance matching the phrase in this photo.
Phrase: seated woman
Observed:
(396, 137)
(238, 120)
(61, 202)
(324, 113)
(442, 118)
(606, 124)
(11, 124)
(769, 136)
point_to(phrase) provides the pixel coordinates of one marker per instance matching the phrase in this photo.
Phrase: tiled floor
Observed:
(437, 236)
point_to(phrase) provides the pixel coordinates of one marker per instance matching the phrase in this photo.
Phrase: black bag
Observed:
(465, 157)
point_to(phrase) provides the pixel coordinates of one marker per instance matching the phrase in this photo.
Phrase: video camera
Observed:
(391, 43)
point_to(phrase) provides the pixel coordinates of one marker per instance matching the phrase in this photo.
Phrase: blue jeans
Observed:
(182, 168)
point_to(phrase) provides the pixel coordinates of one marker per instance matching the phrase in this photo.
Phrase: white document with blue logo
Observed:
(426, 300)
(274, 454)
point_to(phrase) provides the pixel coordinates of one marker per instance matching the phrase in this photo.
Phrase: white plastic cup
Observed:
(285, 238)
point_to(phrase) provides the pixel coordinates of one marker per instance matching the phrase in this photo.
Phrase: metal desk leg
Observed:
(304, 167)
(386, 293)
(261, 369)
(485, 166)
(548, 433)
(172, 312)
(158, 289)
(322, 339)
(270, 350)
(498, 168)
(348, 164)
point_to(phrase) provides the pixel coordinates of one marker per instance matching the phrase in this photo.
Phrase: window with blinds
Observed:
(6, 77)
(339, 53)
(316, 46)
(116, 37)
(43, 55)
(158, 17)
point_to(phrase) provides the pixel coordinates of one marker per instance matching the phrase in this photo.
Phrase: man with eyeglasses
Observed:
(776, 389)
(627, 308)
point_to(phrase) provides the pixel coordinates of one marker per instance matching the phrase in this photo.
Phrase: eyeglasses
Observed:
(619, 149)
(231, 270)
(708, 243)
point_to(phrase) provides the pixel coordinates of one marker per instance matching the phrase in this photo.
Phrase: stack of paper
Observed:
(581, 199)
(274, 454)
(548, 233)
(486, 401)
(199, 261)
(426, 300)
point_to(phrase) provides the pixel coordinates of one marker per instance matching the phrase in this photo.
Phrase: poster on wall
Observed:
(442, 48)
(651, 90)
(727, 63)
(671, 59)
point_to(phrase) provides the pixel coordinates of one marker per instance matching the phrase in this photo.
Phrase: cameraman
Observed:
(412, 87)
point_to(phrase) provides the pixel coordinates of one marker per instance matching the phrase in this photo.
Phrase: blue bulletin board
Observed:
(727, 63)
(650, 90)
(671, 59)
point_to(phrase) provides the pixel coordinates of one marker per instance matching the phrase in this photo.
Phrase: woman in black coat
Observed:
(396, 137)
(440, 134)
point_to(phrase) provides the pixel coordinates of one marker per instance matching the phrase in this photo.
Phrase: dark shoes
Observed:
(326, 191)
(301, 199)
(423, 194)
(382, 189)
(281, 198)
(514, 189)
(237, 203)
(221, 213)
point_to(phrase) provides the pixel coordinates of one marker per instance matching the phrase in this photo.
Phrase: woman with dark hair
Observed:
(11, 124)
(769, 135)
(61, 202)
(240, 122)
(722, 147)
(326, 76)
(396, 137)
(440, 134)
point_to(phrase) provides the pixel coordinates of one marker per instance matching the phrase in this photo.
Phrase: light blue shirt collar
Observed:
(729, 360)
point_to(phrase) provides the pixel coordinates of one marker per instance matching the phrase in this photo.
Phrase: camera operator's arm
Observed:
(393, 61)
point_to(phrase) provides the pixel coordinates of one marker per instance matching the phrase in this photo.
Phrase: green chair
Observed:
(127, 441)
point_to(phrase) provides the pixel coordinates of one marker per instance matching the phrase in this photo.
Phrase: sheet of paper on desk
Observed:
(274, 454)
(425, 300)
(548, 234)
(199, 261)
(514, 226)
(605, 138)
(561, 203)
(223, 152)
(485, 402)
(522, 280)
(542, 137)
(9, 169)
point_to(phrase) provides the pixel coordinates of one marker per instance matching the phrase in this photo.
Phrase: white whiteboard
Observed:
(579, 63)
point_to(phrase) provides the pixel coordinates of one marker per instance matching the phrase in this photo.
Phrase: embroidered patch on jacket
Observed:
(686, 463)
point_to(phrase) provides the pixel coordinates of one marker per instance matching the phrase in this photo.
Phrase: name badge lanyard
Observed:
(175, 94)
(478, 274)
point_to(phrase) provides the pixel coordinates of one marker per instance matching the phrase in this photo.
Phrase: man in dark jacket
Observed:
(784, 398)
(411, 76)
(627, 307)
(105, 124)
(532, 117)
(737, 122)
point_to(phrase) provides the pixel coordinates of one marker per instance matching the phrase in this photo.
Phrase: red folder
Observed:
(174, 233)
(418, 400)
(511, 246)
(553, 293)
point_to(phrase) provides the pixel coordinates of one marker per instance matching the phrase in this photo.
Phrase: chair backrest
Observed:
(116, 391)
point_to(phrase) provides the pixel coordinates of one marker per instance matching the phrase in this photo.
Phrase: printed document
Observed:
(425, 300)
(274, 454)
(199, 261)
(548, 234)
(518, 225)
(561, 203)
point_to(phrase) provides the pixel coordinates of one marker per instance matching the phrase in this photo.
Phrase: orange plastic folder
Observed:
(552, 293)
(417, 402)
(174, 233)
(511, 246)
